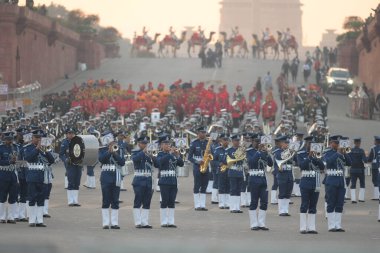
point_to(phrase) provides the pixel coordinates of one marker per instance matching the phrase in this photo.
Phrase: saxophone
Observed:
(207, 156)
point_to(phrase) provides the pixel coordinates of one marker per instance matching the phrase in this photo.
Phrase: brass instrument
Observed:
(239, 155)
(48, 144)
(286, 155)
(115, 147)
(207, 156)
(347, 150)
(317, 155)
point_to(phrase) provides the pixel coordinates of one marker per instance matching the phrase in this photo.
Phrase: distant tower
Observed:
(253, 16)
(328, 38)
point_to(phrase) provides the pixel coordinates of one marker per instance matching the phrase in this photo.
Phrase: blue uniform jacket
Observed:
(107, 158)
(214, 164)
(374, 157)
(167, 164)
(239, 171)
(220, 157)
(358, 158)
(259, 162)
(35, 156)
(196, 152)
(275, 150)
(21, 172)
(5, 157)
(63, 154)
(142, 164)
(277, 156)
(336, 161)
(307, 163)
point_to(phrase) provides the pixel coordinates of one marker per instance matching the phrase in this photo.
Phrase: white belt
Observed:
(338, 173)
(108, 167)
(308, 173)
(36, 166)
(168, 173)
(142, 174)
(259, 173)
(286, 167)
(198, 158)
(7, 168)
(237, 168)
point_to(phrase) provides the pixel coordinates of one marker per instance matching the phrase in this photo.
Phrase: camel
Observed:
(230, 44)
(287, 46)
(197, 40)
(145, 43)
(270, 43)
(170, 42)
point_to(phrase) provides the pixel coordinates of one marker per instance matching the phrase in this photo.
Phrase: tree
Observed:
(109, 35)
(353, 26)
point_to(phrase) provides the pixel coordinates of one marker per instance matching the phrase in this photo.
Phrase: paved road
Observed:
(79, 229)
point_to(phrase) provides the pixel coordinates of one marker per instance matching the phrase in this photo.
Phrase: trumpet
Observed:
(182, 151)
(317, 155)
(114, 147)
(347, 150)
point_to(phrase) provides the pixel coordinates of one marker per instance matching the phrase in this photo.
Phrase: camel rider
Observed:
(235, 32)
(266, 34)
(145, 33)
(172, 33)
(201, 32)
(287, 35)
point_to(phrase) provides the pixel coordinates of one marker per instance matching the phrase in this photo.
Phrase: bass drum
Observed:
(83, 150)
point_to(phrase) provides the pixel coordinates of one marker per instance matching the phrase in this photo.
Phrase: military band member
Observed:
(336, 158)
(296, 185)
(223, 182)
(196, 152)
(258, 162)
(373, 156)
(37, 175)
(245, 196)
(273, 193)
(142, 183)
(8, 178)
(284, 177)
(168, 162)
(235, 175)
(358, 159)
(311, 165)
(214, 169)
(74, 172)
(21, 174)
(111, 161)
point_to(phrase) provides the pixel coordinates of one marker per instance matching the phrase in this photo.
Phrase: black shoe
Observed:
(23, 220)
(41, 225)
(204, 209)
(123, 190)
(172, 226)
(3, 221)
(361, 201)
(346, 198)
(243, 206)
(17, 219)
(88, 187)
(164, 225)
(208, 192)
(120, 201)
(147, 226)
(312, 232)
(274, 203)
(264, 228)
(106, 227)
(177, 202)
(340, 230)
(291, 203)
(233, 211)
(375, 199)
(76, 204)
(255, 228)
(138, 226)
(238, 211)
(214, 202)
(284, 214)
(333, 230)
(304, 232)
(222, 207)
(354, 202)
(11, 221)
(115, 227)
(71, 205)
(46, 216)
(32, 224)
(198, 209)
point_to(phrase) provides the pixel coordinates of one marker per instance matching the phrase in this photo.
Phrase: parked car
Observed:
(338, 79)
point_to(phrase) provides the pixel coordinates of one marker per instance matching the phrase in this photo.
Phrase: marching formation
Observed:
(230, 156)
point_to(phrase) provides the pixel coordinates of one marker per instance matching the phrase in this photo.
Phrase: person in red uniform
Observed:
(269, 109)
(254, 101)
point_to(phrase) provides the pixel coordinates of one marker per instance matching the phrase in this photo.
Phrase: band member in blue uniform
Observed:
(235, 175)
(258, 162)
(8, 179)
(335, 159)
(273, 193)
(296, 185)
(196, 152)
(168, 162)
(214, 170)
(358, 159)
(374, 154)
(142, 183)
(284, 177)
(223, 182)
(111, 161)
(36, 177)
(74, 172)
(251, 146)
(311, 166)
(21, 174)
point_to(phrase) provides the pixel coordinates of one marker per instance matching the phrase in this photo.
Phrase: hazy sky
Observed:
(157, 15)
